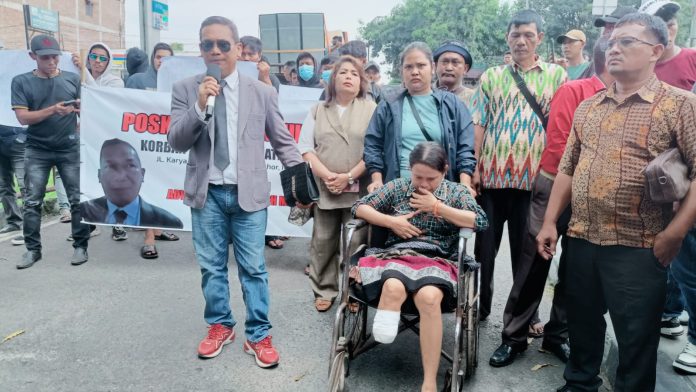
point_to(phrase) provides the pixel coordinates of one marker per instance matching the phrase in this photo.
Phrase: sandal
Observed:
(534, 331)
(149, 252)
(65, 216)
(322, 304)
(167, 237)
(274, 243)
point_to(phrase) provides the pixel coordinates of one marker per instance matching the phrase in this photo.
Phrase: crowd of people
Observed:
(552, 149)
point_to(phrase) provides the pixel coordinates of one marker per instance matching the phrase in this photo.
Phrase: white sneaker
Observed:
(686, 361)
(18, 240)
(684, 318)
(670, 327)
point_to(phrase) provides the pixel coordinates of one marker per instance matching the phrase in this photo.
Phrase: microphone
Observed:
(215, 72)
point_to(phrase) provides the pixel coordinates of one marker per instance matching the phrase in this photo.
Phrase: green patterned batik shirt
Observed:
(514, 137)
(393, 198)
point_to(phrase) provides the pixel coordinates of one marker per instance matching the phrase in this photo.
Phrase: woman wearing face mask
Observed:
(332, 142)
(307, 71)
(416, 115)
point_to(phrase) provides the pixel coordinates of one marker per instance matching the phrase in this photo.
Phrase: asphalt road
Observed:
(121, 323)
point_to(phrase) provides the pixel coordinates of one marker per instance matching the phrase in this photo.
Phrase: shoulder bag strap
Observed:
(522, 86)
(418, 119)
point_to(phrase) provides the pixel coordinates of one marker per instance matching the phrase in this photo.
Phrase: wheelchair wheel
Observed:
(472, 333)
(337, 373)
(355, 326)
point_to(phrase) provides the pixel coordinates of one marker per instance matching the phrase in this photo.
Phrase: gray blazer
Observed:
(258, 113)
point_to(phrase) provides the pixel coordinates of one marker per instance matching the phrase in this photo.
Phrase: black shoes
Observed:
(564, 388)
(79, 257)
(504, 355)
(29, 258)
(560, 350)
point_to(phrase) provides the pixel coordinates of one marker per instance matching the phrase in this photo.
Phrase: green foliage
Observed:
(480, 24)
(177, 46)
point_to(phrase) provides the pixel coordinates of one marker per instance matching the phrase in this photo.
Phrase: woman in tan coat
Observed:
(332, 142)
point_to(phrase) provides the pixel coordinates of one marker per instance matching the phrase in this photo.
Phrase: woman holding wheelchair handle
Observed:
(332, 142)
(424, 214)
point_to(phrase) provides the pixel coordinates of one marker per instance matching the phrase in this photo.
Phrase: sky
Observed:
(185, 16)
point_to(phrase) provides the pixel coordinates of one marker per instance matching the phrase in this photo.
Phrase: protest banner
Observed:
(17, 62)
(175, 68)
(141, 118)
(138, 170)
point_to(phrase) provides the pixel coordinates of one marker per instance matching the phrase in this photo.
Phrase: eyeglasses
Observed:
(208, 45)
(94, 57)
(624, 43)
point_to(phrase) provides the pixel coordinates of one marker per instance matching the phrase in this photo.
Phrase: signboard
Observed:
(43, 19)
(118, 59)
(160, 15)
(603, 7)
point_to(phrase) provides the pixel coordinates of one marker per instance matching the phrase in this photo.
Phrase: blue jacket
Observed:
(383, 136)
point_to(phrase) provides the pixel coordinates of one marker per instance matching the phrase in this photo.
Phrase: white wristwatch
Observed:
(350, 179)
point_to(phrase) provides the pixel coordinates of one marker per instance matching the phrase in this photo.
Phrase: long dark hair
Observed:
(430, 154)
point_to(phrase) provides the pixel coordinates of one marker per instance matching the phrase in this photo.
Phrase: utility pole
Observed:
(149, 36)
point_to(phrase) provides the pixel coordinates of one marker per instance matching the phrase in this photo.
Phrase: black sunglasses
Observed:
(208, 45)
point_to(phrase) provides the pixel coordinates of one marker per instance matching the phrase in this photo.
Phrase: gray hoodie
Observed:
(107, 79)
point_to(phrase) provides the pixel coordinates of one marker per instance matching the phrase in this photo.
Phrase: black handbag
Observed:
(299, 185)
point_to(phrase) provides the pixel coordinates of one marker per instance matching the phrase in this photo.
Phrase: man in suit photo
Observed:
(226, 184)
(121, 176)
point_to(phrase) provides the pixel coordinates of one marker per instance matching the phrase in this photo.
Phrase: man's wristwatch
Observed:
(351, 181)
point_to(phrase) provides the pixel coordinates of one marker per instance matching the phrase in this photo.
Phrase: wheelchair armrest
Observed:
(466, 232)
(356, 224)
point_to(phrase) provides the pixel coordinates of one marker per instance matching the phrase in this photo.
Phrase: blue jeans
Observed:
(220, 219)
(684, 271)
(11, 165)
(38, 164)
(674, 301)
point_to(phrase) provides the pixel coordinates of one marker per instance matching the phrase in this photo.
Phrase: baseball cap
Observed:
(456, 47)
(614, 17)
(372, 64)
(651, 7)
(576, 35)
(44, 45)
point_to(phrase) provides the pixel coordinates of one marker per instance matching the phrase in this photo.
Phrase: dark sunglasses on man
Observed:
(208, 45)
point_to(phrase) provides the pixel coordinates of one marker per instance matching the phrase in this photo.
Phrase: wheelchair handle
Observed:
(466, 232)
(356, 224)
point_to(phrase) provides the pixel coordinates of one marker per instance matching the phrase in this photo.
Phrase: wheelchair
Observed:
(351, 338)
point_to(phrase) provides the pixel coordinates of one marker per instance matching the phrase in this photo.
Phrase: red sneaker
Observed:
(264, 352)
(218, 336)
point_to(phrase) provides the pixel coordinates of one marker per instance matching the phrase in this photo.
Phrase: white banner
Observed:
(175, 68)
(141, 119)
(16, 62)
(126, 161)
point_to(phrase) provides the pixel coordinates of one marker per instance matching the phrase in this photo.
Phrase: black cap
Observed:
(614, 17)
(456, 47)
(44, 45)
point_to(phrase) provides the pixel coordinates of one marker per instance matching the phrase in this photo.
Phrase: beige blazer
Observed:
(258, 112)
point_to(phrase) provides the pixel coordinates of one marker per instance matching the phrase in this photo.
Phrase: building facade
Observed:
(82, 22)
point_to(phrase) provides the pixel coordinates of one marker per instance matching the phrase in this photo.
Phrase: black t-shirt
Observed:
(56, 133)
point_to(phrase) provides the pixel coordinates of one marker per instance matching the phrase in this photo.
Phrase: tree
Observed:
(479, 24)
(177, 47)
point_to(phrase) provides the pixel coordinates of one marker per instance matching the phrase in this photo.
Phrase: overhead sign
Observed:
(160, 15)
(603, 7)
(43, 19)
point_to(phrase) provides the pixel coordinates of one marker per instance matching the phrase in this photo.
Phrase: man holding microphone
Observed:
(222, 126)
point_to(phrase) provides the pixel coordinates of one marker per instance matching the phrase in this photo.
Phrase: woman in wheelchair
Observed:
(424, 215)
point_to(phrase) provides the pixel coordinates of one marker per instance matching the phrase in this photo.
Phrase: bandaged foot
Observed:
(385, 326)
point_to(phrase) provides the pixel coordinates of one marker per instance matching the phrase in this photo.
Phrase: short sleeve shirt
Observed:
(514, 138)
(56, 133)
(411, 133)
(611, 142)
